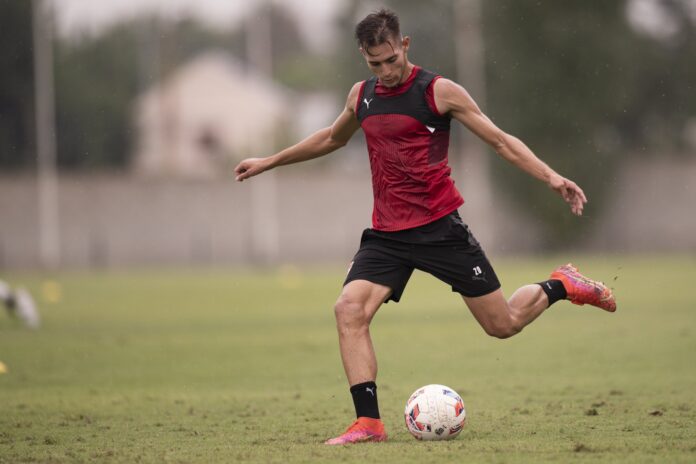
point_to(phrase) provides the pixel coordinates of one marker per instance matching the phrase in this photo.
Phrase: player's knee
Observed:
(350, 313)
(502, 330)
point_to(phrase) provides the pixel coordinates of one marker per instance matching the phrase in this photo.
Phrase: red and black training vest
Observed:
(407, 140)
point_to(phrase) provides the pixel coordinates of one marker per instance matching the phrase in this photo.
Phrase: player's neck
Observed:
(407, 73)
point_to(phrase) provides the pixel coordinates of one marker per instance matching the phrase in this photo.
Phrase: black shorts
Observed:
(445, 248)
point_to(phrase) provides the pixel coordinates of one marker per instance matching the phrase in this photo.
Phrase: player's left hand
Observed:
(571, 193)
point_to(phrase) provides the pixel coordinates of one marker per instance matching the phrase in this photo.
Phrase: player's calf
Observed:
(498, 317)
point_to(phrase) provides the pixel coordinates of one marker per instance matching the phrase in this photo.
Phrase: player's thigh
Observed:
(383, 262)
(491, 311)
(363, 294)
(458, 260)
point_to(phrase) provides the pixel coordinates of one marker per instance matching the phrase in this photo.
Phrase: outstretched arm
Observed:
(453, 99)
(322, 142)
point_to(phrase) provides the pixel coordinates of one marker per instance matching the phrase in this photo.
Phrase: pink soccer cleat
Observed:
(582, 290)
(364, 429)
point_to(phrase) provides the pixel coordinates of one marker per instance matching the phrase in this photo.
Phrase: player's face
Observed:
(388, 61)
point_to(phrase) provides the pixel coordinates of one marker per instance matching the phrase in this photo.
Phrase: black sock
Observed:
(365, 399)
(554, 289)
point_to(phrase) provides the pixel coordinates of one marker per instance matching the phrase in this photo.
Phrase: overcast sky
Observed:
(93, 15)
(314, 15)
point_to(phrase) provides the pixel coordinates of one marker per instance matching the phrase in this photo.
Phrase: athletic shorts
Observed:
(445, 248)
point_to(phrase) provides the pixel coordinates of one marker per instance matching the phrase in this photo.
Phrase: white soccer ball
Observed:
(435, 412)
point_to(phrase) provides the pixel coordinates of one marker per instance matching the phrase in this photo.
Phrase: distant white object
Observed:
(20, 304)
(26, 308)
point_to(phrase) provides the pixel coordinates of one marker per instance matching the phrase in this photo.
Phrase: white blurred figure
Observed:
(20, 303)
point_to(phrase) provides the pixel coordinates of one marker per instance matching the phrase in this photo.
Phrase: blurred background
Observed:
(121, 123)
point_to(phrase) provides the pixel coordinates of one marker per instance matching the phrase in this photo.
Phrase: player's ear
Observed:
(405, 42)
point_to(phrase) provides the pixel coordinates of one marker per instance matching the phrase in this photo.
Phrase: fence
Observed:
(115, 220)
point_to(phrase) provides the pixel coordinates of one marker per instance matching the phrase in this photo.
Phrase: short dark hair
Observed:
(377, 28)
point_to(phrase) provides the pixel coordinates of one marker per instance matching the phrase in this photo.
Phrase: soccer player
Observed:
(405, 112)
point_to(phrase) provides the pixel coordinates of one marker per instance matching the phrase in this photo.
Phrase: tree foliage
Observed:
(16, 84)
(585, 91)
(96, 80)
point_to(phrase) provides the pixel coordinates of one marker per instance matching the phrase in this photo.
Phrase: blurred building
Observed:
(210, 112)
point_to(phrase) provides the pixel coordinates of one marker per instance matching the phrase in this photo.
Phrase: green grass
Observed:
(232, 366)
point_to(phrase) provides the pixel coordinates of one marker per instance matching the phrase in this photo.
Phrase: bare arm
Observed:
(453, 99)
(322, 142)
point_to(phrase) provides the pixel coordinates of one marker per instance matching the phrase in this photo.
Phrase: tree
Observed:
(96, 81)
(586, 91)
(16, 84)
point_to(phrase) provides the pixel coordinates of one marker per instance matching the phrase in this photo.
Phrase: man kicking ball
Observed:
(405, 112)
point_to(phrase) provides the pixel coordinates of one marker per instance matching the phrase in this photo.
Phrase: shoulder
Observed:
(451, 96)
(355, 90)
(446, 87)
(354, 95)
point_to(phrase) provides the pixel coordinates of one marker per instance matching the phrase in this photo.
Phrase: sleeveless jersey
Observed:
(407, 142)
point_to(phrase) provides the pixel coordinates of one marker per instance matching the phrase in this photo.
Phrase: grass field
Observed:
(233, 366)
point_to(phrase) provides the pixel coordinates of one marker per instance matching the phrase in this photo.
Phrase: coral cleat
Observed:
(582, 290)
(364, 429)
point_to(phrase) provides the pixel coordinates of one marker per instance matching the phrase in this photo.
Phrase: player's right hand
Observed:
(570, 191)
(250, 167)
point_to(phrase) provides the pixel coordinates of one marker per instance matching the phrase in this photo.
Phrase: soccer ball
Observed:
(435, 412)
